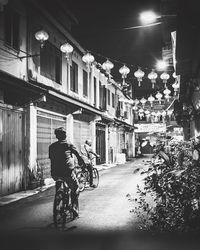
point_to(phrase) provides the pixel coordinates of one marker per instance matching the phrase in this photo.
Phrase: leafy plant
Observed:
(170, 199)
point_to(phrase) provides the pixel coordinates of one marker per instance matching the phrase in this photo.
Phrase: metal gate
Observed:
(101, 143)
(46, 124)
(11, 150)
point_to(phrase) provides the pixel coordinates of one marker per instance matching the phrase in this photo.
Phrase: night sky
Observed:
(101, 31)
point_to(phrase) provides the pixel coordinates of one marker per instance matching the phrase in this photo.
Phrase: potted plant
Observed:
(36, 178)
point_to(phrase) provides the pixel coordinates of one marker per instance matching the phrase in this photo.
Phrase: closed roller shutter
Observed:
(46, 124)
(81, 133)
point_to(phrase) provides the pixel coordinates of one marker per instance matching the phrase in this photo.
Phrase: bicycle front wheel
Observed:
(95, 177)
(59, 216)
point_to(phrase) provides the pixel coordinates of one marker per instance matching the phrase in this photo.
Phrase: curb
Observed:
(5, 200)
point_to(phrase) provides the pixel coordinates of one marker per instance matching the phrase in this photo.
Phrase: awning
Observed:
(124, 124)
(78, 103)
(17, 91)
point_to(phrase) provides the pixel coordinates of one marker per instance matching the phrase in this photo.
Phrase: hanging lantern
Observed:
(164, 76)
(135, 107)
(159, 96)
(107, 66)
(151, 99)
(153, 114)
(167, 94)
(41, 36)
(136, 101)
(141, 113)
(67, 49)
(152, 76)
(167, 91)
(143, 101)
(88, 59)
(147, 113)
(139, 74)
(124, 71)
(157, 115)
(176, 86)
(170, 112)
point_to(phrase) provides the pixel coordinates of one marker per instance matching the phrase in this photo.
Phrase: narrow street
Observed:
(102, 210)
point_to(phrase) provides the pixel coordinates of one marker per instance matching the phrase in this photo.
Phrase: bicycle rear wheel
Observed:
(95, 177)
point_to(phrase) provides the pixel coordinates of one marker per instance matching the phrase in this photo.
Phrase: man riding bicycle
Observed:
(87, 153)
(62, 165)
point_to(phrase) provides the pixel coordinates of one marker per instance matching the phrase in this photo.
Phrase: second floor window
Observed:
(95, 91)
(74, 77)
(51, 62)
(108, 93)
(102, 97)
(85, 83)
(113, 100)
(11, 27)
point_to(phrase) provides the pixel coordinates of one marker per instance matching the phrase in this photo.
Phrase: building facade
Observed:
(41, 89)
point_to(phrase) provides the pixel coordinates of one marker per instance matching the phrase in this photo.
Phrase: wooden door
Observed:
(11, 150)
(101, 143)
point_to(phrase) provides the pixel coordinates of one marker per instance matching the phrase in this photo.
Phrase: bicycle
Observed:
(62, 207)
(83, 176)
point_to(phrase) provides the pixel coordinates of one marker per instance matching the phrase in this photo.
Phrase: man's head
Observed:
(60, 133)
(88, 142)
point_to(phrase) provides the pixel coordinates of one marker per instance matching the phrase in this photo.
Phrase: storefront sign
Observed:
(151, 128)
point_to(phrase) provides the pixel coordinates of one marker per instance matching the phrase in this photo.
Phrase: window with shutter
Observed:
(95, 91)
(11, 28)
(85, 83)
(74, 77)
(51, 62)
(113, 100)
(108, 93)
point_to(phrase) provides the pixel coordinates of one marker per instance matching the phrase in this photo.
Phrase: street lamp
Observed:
(161, 65)
(148, 17)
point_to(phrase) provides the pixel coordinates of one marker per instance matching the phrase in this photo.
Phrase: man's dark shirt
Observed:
(62, 162)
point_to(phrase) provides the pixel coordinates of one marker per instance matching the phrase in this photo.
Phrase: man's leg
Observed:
(89, 168)
(73, 185)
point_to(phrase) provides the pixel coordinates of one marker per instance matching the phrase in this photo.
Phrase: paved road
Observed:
(105, 210)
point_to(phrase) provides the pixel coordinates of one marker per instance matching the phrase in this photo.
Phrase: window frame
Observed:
(53, 69)
(85, 83)
(74, 77)
(12, 28)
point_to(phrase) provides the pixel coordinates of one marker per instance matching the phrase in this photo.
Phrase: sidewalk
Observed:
(5, 200)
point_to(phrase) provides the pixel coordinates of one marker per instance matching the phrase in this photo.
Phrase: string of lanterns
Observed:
(107, 66)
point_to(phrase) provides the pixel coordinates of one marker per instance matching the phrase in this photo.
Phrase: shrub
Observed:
(173, 183)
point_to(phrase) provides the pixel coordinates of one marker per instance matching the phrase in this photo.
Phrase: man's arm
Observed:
(76, 153)
(89, 150)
